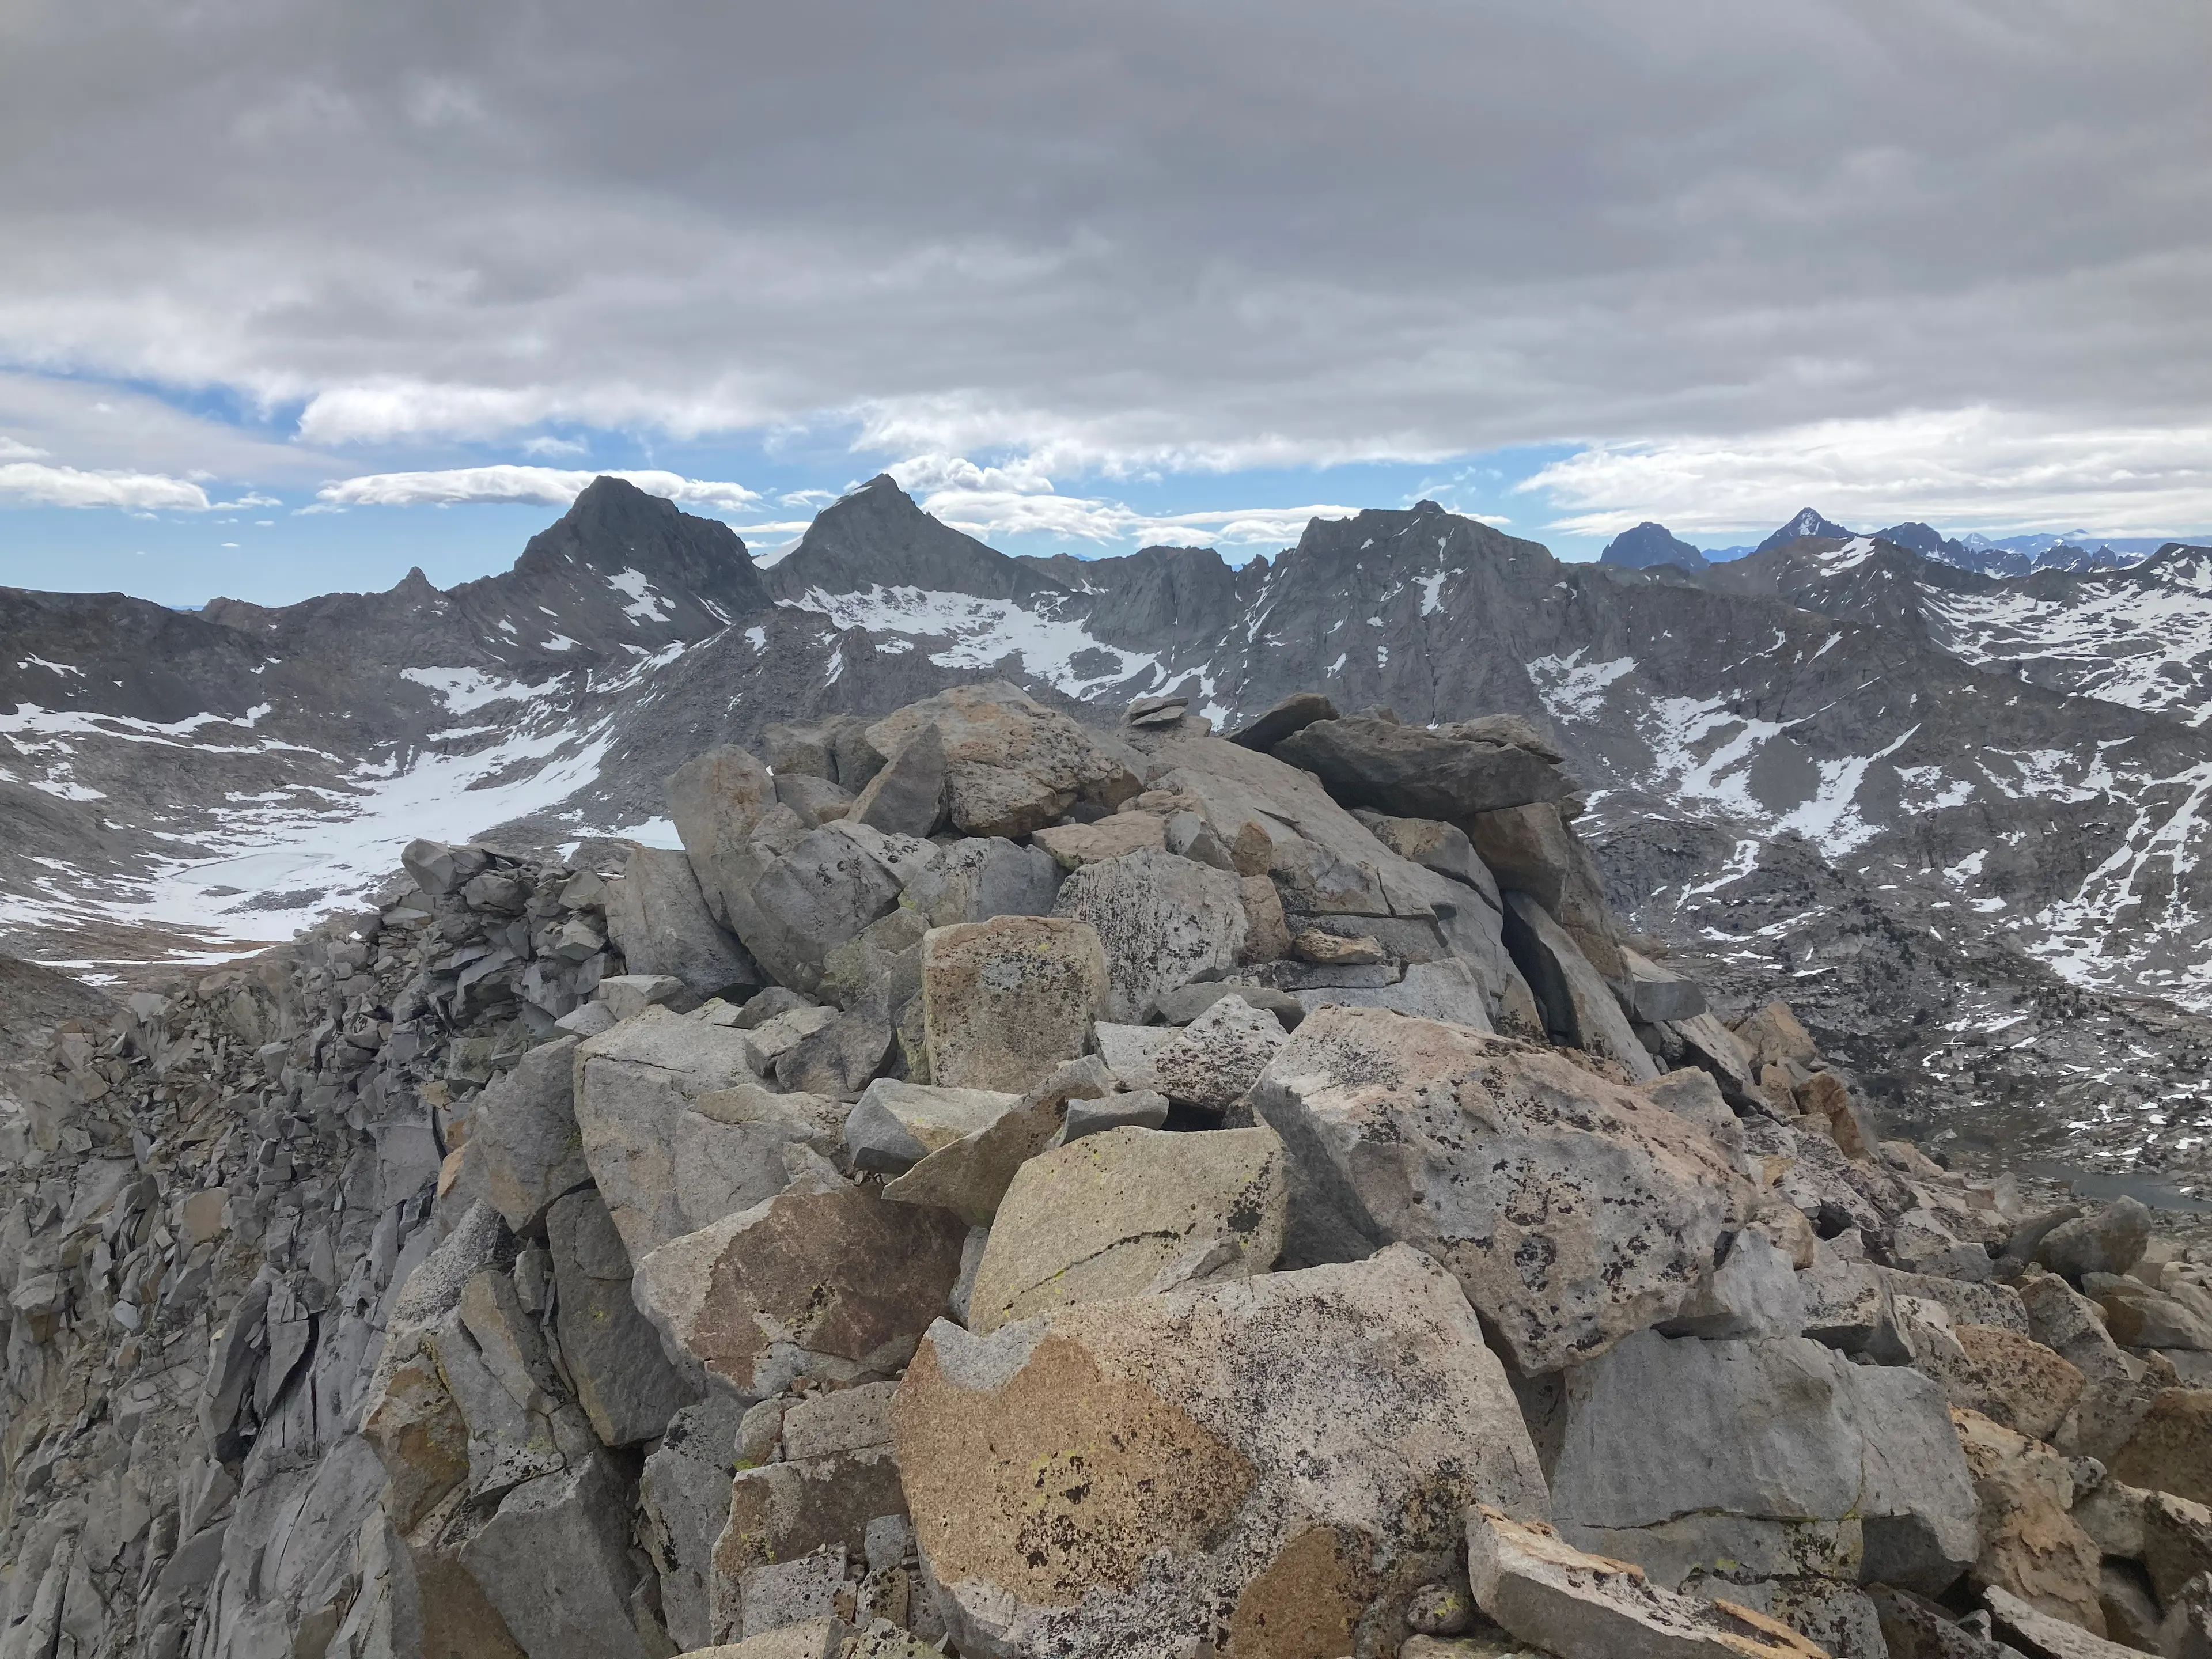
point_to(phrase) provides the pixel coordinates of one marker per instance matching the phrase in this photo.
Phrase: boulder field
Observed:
(1018, 1191)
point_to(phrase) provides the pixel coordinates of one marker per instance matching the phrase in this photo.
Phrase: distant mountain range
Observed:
(1923, 802)
(1649, 545)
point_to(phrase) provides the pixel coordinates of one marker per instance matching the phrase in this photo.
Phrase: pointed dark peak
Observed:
(613, 527)
(616, 506)
(878, 537)
(1809, 521)
(1425, 506)
(414, 585)
(1650, 544)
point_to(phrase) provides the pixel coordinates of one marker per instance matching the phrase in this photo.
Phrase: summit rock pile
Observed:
(1010, 1189)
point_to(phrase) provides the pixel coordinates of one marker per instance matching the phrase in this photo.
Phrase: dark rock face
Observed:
(1648, 544)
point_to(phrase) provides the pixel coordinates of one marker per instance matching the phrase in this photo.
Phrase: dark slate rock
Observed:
(1412, 772)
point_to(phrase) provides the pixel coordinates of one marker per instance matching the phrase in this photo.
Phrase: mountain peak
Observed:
(877, 535)
(1649, 544)
(613, 528)
(1809, 521)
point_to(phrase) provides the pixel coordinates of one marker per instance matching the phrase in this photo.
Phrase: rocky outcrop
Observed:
(1247, 1257)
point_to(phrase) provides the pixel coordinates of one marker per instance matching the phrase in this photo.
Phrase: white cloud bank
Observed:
(1017, 499)
(1980, 468)
(36, 483)
(545, 485)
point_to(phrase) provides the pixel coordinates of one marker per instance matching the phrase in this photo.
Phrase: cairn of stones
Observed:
(1005, 1188)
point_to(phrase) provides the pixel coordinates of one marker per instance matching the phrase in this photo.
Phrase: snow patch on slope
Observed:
(982, 632)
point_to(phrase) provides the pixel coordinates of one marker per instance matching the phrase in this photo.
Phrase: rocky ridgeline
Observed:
(1008, 1189)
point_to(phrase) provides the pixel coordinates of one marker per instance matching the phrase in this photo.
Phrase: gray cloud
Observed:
(1118, 237)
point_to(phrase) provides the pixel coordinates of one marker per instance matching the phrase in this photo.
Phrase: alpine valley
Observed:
(1957, 818)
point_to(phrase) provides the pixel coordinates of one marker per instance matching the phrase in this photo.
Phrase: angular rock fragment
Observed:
(1579, 1008)
(2141, 1318)
(2015, 1381)
(880, 964)
(1585, 1606)
(1161, 921)
(1292, 713)
(1418, 773)
(908, 796)
(1130, 1050)
(439, 869)
(838, 1059)
(1655, 994)
(982, 876)
(664, 1168)
(836, 748)
(623, 1382)
(1074, 845)
(1573, 1210)
(1533, 850)
(834, 1284)
(1111, 1213)
(658, 920)
(1753, 1291)
(1139, 1109)
(554, 1561)
(1012, 766)
(628, 995)
(1005, 1000)
(1115, 1478)
(1775, 1430)
(1180, 1007)
(1711, 1047)
(1450, 991)
(2037, 1634)
(814, 801)
(2170, 1448)
(525, 1135)
(2031, 1547)
(836, 1477)
(684, 1493)
(970, 1176)
(2109, 1239)
(821, 893)
(716, 799)
(1435, 845)
(1914, 1627)
(896, 1125)
(2117, 1390)
(1212, 1062)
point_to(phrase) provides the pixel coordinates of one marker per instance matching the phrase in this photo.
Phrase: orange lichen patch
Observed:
(1087, 1476)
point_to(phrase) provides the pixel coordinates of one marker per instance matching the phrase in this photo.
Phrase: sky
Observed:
(296, 294)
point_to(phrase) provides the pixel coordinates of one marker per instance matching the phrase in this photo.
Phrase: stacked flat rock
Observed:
(1009, 1188)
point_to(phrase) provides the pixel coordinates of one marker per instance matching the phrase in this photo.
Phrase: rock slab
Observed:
(1273, 1464)
(1573, 1210)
